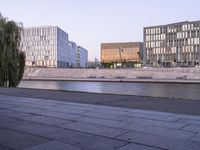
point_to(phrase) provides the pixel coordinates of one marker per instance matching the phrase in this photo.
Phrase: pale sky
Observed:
(92, 22)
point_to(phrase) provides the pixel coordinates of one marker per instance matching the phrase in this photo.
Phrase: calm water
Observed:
(188, 91)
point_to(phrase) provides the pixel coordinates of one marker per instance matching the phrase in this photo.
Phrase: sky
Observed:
(92, 22)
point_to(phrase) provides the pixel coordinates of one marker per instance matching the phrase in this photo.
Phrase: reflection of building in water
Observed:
(121, 55)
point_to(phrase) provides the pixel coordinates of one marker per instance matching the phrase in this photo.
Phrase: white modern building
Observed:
(82, 57)
(48, 46)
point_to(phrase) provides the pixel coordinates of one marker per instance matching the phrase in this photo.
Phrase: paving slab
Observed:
(104, 115)
(173, 133)
(133, 146)
(68, 110)
(158, 123)
(3, 110)
(192, 128)
(95, 129)
(111, 111)
(7, 105)
(26, 110)
(58, 115)
(54, 145)
(142, 111)
(17, 115)
(196, 138)
(34, 128)
(47, 120)
(17, 140)
(87, 141)
(153, 116)
(189, 121)
(104, 122)
(4, 148)
(7, 120)
(160, 141)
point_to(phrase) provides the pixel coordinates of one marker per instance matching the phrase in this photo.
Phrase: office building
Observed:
(121, 55)
(82, 57)
(72, 57)
(48, 46)
(172, 45)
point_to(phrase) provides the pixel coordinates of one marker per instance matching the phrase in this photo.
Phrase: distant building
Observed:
(121, 55)
(48, 46)
(94, 64)
(82, 57)
(172, 45)
(72, 57)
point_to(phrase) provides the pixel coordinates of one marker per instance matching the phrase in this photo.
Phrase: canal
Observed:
(186, 91)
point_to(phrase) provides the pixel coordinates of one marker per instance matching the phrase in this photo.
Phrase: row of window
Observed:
(172, 57)
(38, 38)
(38, 48)
(46, 63)
(173, 28)
(39, 31)
(40, 57)
(170, 43)
(178, 35)
(184, 49)
(39, 43)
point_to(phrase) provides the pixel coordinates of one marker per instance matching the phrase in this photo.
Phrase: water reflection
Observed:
(188, 91)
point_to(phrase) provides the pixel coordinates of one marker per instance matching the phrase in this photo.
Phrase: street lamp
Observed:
(120, 54)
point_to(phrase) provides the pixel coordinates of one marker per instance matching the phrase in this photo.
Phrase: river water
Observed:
(187, 91)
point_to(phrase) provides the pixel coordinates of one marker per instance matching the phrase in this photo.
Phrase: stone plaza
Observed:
(38, 124)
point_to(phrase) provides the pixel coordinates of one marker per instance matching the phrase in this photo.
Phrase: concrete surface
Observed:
(38, 124)
(181, 106)
(129, 74)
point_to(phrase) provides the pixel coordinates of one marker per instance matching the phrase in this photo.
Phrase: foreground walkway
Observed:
(37, 124)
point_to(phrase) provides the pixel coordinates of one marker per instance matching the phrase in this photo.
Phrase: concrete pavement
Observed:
(37, 124)
(181, 106)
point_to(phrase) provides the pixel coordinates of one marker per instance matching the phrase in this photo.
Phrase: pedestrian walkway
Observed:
(37, 124)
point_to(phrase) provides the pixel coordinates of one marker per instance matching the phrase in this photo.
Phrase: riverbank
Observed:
(119, 79)
(141, 75)
(181, 106)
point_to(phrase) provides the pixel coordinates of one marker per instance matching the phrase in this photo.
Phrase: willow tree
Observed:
(12, 59)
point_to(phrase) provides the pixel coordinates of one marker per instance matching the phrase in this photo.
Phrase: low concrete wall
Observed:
(139, 73)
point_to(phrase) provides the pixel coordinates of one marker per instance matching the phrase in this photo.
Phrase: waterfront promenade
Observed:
(56, 123)
(57, 120)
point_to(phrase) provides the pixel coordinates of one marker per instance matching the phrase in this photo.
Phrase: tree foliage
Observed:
(12, 59)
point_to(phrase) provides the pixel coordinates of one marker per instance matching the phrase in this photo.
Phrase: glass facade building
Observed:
(172, 45)
(82, 57)
(116, 55)
(48, 46)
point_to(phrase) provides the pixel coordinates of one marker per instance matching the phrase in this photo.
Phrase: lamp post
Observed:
(120, 54)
